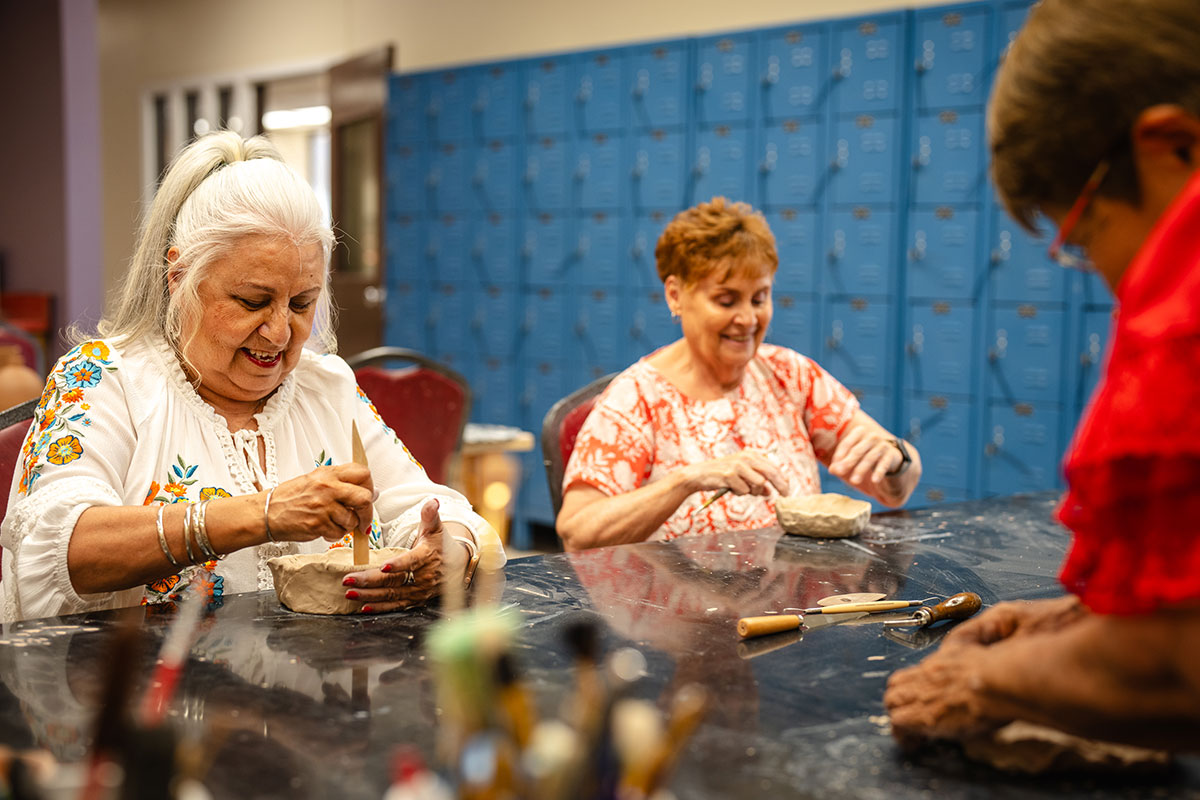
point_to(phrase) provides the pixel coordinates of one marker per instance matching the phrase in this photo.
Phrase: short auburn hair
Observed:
(712, 235)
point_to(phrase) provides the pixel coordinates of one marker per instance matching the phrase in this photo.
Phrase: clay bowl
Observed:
(823, 516)
(311, 583)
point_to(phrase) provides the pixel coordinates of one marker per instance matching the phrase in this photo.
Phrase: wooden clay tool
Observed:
(960, 606)
(853, 597)
(361, 545)
(774, 623)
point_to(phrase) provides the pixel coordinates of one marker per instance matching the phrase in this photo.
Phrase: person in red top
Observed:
(1110, 154)
(719, 409)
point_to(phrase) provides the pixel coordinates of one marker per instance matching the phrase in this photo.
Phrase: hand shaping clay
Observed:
(312, 583)
(825, 516)
(1035, 749)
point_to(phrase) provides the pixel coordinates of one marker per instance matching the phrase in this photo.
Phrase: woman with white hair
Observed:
(198, 433)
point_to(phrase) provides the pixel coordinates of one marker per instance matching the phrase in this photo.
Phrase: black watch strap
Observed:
(902, 446)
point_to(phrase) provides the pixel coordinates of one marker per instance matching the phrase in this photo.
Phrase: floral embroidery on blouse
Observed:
(323, 460)
(60, 417)
(363, 397)
(374, 538)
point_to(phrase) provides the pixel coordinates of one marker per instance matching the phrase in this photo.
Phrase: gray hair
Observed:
(218, 190)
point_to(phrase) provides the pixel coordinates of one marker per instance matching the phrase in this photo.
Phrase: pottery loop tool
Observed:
(361, 546)
(775, 623)
(960, 606)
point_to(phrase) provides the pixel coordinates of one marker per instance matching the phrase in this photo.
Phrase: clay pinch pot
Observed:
(311, 583)
(823, 516)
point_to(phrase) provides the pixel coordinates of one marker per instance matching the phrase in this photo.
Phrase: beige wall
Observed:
(149, 43)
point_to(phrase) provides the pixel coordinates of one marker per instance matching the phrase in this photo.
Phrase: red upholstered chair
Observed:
(426, 403)
(559, 429)
(14, 424)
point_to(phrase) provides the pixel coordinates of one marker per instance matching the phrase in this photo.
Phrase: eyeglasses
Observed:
(1072, 256)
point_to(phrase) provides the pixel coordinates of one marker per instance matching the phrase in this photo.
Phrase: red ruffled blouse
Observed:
(1133, 468)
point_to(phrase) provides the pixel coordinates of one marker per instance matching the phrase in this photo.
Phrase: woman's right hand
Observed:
(327, 503)
(743, 472)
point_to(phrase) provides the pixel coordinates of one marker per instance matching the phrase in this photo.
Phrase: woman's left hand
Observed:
(865, 456)
(411, 578)
(938, 698)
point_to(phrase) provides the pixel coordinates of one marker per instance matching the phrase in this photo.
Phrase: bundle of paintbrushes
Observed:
(602, 744)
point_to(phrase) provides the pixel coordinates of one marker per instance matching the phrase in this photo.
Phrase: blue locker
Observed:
(493, 179)
(598, 244)
(544, 249)
(875, 403)
(544, 329)
(857, 340)
(449, 106)
(493, 252)
(1021, 450)
(794, 324)
(864, 160)
(942, 254)
(1021, 270)
(448, 249)
(642, 269)
(1094, 289)
(724, 79)
(948, 162)
(951, 47)
(940, 427)
(858, 252)
(404, 315)
(450, 178)
(600, 96)
(545, 178)
(493, 398)
(543, 383)
(791, 169)
(596, 333)
(545, 96)
(940, 348)
(494, 332)
(1011, 21)
(1025, 354)
(450, 306)
(534, 498)
(796, 244)
(795, 76)
(407, 174)
(495, 101)
(659, 85)
(657, 171)
(721, 164)
(1092, 351)
(406, 106)
(598, 173)
(867, 67)
(648, 325)
(405, 238)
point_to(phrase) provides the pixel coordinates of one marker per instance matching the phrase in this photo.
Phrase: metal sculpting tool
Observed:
(960, 606)
(774, 623)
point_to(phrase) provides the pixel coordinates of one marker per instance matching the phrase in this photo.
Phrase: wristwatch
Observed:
(903, 448)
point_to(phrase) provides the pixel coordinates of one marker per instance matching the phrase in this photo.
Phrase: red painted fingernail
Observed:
(386, 568)
(351, 595)
(350, 582)
(367, 609)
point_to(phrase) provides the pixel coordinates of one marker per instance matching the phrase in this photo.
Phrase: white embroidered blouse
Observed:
(120, 425)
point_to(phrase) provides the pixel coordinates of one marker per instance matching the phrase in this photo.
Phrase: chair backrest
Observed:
(14, 425)
(426, 403)
(561, 427)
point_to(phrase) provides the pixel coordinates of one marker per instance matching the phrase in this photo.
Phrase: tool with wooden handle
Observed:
(960, 606)
(774, 623)
(361, 545)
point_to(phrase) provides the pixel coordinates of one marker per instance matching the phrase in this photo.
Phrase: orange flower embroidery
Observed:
(154, 487)
(48, 417)
(95, 350)
(72, 396)
(64, 450)
(209, 492)
(177, 489)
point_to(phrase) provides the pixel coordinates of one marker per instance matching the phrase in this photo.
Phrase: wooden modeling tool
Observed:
(361, 556)
(960, 606)
(853, 597)
(775, 623)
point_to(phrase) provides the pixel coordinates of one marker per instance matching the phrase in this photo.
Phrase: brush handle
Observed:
(748, 627)
(872, 607)
(960, 606)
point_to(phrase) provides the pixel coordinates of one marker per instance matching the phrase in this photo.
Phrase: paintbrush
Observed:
(361, 545)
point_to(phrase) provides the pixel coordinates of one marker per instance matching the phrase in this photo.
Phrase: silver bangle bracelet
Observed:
(267, 516)
(162, 538)
(202, 531)
(187, 529)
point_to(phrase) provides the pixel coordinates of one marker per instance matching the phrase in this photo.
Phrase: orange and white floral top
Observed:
(642, 428)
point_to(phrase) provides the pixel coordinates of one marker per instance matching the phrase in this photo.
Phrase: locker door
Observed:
(859, 249)
(790, 165)
(794, 324)
(544, 249)
(493, 253)
(494, 177)
(1094, 290)
(598, 172)
(657, 172)
(494, 390)
(404, 315)
(941, 428)
(942, 254)
(864, 160)
(449, 249)
(1026, 354)
(938, 353)
(449, 178)
(450, 306)
(407, 171)
(544, 384)
(1012, 20)
(948, 165)
(857, 341)
(874, 402)
(543, 329)
(600, 97)
(642, 272)
(545, 96)
(1020, 451)
(598, 243)
(950, 57)
(407, 101)
(449, 106)
(867, 65)
(794, 73)
(796, 244)
(723, 76)
(1021, 271)
(658, 85)
(405, 245)
(545, 178)
(595, 335)
(495, 323)
(1093, 348)
(649, 325)
(494, 105)
(720, 164)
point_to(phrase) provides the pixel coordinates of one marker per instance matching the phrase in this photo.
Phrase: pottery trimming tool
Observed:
(960, 606)
(361, 555)
(775, 623)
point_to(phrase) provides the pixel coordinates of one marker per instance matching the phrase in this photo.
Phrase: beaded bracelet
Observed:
(267, 515)
(162, 538)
